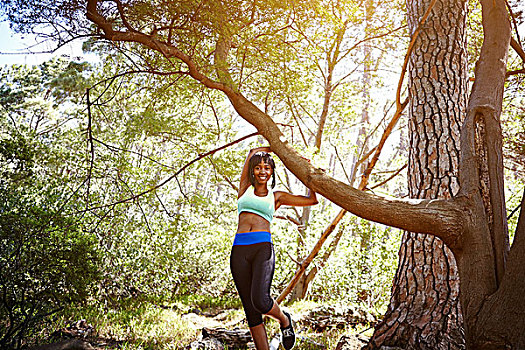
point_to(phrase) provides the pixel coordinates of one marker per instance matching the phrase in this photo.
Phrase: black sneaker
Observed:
(288, 338)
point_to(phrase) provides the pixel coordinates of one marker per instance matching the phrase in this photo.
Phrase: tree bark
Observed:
(424, 311)
(502, 319)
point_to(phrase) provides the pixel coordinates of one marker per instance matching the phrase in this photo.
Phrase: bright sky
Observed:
(14, 49)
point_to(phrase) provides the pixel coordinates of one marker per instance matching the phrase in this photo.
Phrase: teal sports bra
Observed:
(262, 206)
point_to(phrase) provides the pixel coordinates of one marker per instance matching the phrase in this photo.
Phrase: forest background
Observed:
(84, 142)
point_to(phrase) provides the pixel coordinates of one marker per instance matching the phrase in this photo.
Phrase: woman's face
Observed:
(262, 172)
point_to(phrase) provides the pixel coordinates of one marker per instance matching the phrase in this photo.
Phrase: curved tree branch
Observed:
(164, 48)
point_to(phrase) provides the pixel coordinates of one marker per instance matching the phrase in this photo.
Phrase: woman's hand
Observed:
(266, 149)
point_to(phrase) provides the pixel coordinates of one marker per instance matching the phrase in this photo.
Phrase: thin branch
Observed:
(164, 48)
(216, 117)
(226, 178)
(115, 93)
(409, 52)
(341, 163)
(378, 36)
(390, 177)
(293, 110)
(110, 80)
(514, 22)
(365, 157)
(520, 227)
(138, 71)
(369, 153)
(120, 8)
(138, 204)
(172, 176)
(515, 209)
(518, 48)
(27, 50)
(91, 148)
(163, 206)
(293, 259)
(513, 212)
(289, 218)
(115, 148)
(181, 189)
(306, 262)
(318, 265)
(514, 72)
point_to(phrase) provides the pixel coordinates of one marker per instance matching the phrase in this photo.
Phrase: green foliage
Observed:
(18, 156)
(173, 240)
(362, 269)
(359, 271)
(47, 259)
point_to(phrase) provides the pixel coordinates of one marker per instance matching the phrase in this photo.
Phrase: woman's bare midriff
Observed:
(250, 222)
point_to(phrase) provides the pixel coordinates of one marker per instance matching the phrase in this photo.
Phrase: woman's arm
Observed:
(285, 198)
(245, 180)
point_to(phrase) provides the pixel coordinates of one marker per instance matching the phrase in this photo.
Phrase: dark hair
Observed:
(255, 160)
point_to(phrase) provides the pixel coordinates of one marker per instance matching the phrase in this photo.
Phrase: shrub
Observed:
(45, 261)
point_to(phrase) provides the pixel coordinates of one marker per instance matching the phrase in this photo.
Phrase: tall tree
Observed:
(424, 310)
(472, 224)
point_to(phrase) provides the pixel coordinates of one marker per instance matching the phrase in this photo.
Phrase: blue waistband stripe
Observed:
(246, 238)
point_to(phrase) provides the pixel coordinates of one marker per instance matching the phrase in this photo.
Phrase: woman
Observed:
(252, 260)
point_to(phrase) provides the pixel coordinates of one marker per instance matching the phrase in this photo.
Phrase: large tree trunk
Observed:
(424, 311)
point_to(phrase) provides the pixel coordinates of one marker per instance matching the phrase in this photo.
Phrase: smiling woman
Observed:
(252, 259)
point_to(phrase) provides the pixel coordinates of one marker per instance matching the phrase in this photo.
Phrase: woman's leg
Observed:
(252, 268)
(259, 336)
(285, 320)
(241, 268)
(263, 266)
(263, 269)
(277, 314)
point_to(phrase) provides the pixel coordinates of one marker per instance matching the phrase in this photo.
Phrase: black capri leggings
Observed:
(252, 267)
